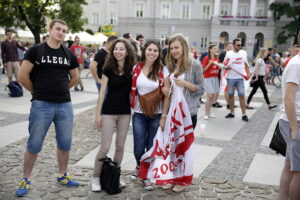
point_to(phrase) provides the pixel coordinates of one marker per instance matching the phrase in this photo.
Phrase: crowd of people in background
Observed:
(125, 70)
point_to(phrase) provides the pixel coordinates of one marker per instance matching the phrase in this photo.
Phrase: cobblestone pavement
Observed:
(222, 179)
(86, 138)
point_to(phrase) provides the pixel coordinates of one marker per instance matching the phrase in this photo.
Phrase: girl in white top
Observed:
(258, 81)
(148, 76)
(185, 75)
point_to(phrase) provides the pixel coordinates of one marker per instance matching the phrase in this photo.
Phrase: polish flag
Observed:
(170, 160)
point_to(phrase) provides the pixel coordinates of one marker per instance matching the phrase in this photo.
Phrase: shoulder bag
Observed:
(277, 143)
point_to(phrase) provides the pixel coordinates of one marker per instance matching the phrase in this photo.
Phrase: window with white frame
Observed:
(185, 11)
(206, 12)
(139, 10)
(260, 11)
(165, 10)
(243, 10)
(113, 18)
(95, 19)
(225, 10)
(204, 42)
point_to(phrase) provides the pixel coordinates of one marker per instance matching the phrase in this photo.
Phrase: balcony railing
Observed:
(228, 20)
(230, 17)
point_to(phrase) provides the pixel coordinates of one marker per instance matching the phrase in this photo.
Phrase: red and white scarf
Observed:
(170, 160)
(136, 73)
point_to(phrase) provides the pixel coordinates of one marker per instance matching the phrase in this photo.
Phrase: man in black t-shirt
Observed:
(55, 73)
(96, 66)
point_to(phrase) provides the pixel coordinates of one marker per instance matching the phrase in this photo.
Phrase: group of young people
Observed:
(124, 83)
(125, 87)
(141, 91)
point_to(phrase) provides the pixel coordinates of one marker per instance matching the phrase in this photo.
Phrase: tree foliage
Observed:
(291, 29)
(33, 14)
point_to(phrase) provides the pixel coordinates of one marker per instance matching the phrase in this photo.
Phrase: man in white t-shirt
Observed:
(236, 63)
(289, 125)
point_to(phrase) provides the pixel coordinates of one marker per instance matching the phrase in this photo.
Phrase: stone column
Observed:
(217, 8)
(234, 8)
(253, 8)
(269, 12)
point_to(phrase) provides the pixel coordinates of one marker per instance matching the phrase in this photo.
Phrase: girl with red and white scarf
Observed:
(148, 77)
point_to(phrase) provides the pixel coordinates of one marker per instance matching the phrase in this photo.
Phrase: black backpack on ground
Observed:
(110, 176)
(41, 48)
(15, 89)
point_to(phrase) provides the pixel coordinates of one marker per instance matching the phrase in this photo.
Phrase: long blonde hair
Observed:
(185, 61)
(260, 54)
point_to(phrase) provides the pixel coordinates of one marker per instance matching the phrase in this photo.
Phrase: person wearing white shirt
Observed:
(236, 63)
(289, 125)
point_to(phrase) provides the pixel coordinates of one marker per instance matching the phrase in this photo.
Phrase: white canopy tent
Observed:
(25, 34)
(85, 38)
(101, 37)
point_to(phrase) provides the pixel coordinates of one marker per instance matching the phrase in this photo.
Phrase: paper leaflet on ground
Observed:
(170, 160)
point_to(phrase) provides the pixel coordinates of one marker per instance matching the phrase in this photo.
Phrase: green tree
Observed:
(89, 31)
(291, 29)
(33, 14)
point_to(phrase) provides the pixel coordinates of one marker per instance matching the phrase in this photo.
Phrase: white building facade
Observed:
(202, 21)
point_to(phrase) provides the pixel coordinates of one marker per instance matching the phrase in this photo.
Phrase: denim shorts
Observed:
(239, 84)
(42, 114)
(292, 146)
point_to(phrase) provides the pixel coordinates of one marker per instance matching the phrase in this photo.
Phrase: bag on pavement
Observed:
(15, 89)
(277, 143)
(110, 176)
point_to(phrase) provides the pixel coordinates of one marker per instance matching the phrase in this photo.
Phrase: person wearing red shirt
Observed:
(78, 51)
(211, 82)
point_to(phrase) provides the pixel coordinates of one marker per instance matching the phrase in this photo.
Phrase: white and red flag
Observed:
(170, 160)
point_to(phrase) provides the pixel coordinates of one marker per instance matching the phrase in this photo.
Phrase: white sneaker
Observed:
(95, 184)
(206, 117)
(135, 174)
(122, 183)
(212, 116)
(147, 185)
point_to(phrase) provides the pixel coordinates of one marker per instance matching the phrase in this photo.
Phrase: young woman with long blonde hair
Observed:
(258, 81)
(186, 75)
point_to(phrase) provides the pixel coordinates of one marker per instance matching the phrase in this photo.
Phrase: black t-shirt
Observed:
(100, 59)
(117, 96)
(222, 56)
(52, 75)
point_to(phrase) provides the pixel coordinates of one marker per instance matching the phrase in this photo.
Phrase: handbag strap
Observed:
(136, 73)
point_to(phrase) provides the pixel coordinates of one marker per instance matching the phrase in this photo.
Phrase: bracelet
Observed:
(163, 115)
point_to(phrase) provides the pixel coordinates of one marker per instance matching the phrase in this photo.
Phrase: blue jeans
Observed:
(239, 84)
(144, 131)
(42, 114)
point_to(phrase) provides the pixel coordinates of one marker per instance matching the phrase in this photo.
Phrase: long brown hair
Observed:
(185, 61)
(111, 63)
(156, 66)
(210, 47)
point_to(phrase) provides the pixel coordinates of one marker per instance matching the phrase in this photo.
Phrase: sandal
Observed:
(249, 107)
